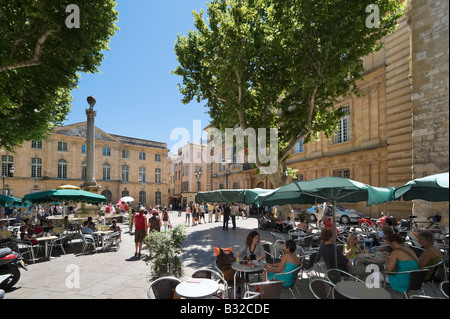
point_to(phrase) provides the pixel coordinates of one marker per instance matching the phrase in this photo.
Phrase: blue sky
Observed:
(135, 92)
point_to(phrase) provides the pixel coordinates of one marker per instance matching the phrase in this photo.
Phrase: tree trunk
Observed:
(278, 179)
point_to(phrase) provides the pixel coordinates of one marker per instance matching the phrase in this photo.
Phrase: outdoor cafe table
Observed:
(372, 258)
(195, 288)
(103, 233)
(46, 239)
(359, 290)
(246, 267)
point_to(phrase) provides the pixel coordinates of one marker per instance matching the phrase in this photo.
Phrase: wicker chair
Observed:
(163, 288)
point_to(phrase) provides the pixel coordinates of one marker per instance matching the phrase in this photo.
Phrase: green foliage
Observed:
(166, 252)
(279, 63)
(34, 98)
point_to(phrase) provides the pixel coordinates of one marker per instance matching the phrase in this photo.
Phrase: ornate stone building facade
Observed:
(185, 180)
(123, 165)
(396, 130)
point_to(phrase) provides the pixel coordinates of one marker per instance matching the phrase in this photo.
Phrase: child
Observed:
(351, 249)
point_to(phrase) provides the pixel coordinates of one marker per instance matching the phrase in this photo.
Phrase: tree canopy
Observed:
(42, 52)
(280, 63)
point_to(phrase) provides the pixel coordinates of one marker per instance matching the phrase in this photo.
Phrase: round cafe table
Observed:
(196, 288)
(359, 290)
(246, 267)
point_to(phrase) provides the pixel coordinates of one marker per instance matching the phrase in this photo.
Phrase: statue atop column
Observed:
(90, 183)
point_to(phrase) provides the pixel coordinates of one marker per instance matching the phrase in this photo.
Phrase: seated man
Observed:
(326, 251)
(288, 225)
(87, 228)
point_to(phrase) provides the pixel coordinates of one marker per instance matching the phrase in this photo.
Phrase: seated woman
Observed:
(401, 258)
(25, 236)
(431, 254)
(289, 261)
(253, 249)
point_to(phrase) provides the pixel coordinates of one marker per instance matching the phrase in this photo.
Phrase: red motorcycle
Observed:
(9, 268)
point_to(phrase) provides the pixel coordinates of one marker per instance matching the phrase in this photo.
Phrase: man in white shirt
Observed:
(288, 224)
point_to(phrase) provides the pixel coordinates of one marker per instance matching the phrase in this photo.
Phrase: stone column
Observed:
(90, 183)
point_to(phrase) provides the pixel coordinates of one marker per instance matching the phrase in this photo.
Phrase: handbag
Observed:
(170, 225)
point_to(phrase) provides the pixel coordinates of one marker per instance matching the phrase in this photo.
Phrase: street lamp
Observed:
(10, 173)
(198, 173)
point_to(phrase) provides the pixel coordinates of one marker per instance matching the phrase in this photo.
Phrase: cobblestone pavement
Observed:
(118, 275)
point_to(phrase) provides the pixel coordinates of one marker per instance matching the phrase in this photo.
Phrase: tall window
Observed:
(106, 172)
(36, 168)
(62, 169)
(157, 175)
(125, 173)
(62, 146)
(125, 154)
(83, 149)
(7, 161)
(342, 134)
(142, 174)
(157, 157)
(83, 170)
(157, 198)
(125, 193)
(142, 156)
(143, 198)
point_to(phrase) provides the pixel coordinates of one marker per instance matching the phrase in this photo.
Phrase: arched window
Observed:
(107, 194)
(62, 169)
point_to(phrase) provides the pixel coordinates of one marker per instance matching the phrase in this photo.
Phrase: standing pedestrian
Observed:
(234, 212)
(165, 218)
(210, 212)
(226, 216)
(187, 220)
(216, 213)
(154, 223)
(140, 222)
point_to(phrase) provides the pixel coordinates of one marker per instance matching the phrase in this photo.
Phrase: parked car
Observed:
(343, 215)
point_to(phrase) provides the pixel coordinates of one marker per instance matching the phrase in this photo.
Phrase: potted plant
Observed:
(165, 252)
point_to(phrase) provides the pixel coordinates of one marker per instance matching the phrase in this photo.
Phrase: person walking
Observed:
(226, 216)
(140, 222)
